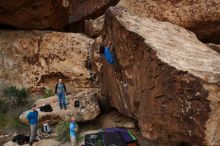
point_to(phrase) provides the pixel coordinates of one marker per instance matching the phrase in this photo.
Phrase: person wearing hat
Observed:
(73, 129)
(32, 118)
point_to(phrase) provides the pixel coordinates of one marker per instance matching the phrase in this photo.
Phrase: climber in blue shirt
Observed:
(106, 51)
(110, 56)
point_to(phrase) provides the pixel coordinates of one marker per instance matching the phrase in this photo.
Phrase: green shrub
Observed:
(3, 107)
(11, 122)
(48, 93)
(16, 96)
(79, 138)
(16, 123)
(62, 131)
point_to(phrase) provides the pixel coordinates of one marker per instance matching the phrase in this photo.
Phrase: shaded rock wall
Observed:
(89, 9)
(214, 47)
(200, 16)
(39, 58)
(165, 68)
(35, 14)
(51, 14)
(81, 11)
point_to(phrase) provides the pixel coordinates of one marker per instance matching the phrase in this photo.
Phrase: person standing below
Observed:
(32, 118)
(73, 129)
(60, 91)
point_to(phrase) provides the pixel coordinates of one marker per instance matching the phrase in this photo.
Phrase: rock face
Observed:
(87, 110)
(200, 16)
(215, 47)
(36, 58)
(35, 14)
(89, 9)
(47, 14)
(172, 79)
(116, 119)
(94, 28)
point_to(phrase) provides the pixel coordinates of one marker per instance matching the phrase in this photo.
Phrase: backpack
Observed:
(46, 129)
(21, 139)
(76, 103)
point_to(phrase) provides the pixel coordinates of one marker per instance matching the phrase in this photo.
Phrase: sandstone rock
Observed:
(44, 14)
(40, 14)
(94, 28)
(86, 9)
(172, 79)
(214, 47)
(115, 119)
(37, 58)
(88, 109)
(200, 16)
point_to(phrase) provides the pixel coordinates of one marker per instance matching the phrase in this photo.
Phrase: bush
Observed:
(16, 96)
(3, 107)
(11, 122)
(62, 131)
(48, 93)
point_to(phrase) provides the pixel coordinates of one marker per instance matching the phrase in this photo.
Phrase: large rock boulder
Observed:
(86, 9)
(47, 14)
(171, 79)
(88, 109)
(39, 58)
(35, 14)
(200, 16)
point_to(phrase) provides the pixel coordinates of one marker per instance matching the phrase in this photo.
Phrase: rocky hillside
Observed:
(167, 52)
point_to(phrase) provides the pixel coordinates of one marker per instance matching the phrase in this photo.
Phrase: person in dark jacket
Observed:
(60, 91)
(32, 118)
